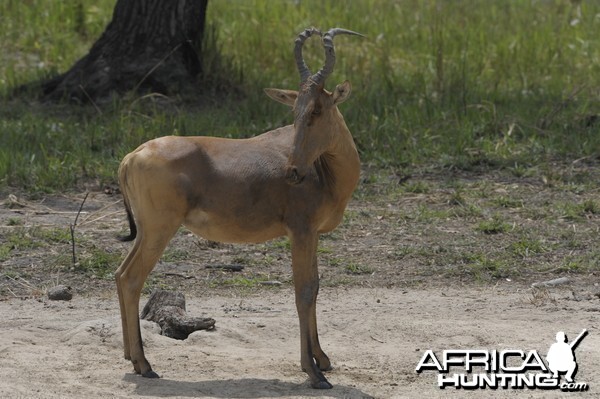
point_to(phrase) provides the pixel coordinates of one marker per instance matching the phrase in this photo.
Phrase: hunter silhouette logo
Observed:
(507, 369)
(561, 356)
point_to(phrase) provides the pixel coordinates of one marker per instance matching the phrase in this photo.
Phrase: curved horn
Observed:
(323, 73)
(302, 68)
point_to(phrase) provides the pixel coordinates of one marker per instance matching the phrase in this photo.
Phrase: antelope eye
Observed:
(316, 111)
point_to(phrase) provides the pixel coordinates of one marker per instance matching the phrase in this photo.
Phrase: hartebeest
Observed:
(294, 181)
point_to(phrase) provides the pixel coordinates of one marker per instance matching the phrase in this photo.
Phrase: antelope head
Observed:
(317, 120)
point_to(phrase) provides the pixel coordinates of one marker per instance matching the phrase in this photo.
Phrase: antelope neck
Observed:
(338, 167)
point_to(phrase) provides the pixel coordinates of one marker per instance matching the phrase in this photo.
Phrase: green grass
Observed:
(507, 202)
(173, 254)
(56, 243)
(245, 282)
(42, 37)
(99, 262)
(528, 246)
(577, 211)
(358, 269)
(590, 262)
(462, 84)
(483, 267)
(495, 225)
(20, 239)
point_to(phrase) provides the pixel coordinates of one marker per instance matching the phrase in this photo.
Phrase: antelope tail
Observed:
(132, 226)
(124, 189)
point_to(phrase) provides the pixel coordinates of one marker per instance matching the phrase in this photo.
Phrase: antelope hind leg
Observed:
(130, 277)
(132, 251)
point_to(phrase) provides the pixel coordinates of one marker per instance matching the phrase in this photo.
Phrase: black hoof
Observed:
(150, 374)
(322, 385)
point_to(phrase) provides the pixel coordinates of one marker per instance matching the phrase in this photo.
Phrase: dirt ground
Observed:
(374, 336)
(437, 264)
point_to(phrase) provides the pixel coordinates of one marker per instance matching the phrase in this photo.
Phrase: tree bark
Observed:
(149, 46)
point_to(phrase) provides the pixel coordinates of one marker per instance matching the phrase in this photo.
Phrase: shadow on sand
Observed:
(237, 388)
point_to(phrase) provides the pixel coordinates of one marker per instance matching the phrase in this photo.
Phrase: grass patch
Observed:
(56, 235)
(496, 225)
(419, 187)
(175, 255)
(585, 263)
(591, 207)
(579, 211)
(99, 262)
(429, 214)
(358, 269)
(526, 247)
(244, 281)
(483, 267)
(467, 211)
(282, 244)
(447, 88)
(4, 252)
(507, 202)
(19, 239)
(14, 222)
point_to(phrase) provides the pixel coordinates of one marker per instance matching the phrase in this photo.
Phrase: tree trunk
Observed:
(149, 46)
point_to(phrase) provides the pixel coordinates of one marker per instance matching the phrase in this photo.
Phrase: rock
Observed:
(270, 282)
(60, 293)
(552, 283)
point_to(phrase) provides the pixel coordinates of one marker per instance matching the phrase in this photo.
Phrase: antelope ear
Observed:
(287, 97)
(341, 92)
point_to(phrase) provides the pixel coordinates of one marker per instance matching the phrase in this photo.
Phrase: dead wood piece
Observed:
(178, 327)
(167, 308)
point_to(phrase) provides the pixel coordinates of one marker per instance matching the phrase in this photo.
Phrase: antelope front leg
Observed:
(323, 362)
(306, 283)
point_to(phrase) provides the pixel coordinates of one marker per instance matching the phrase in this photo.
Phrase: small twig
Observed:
(159, 63)
(184, 276)
(87, 221)
(21, 281)
(72, 228)
(547, 120)
(104, 208)
(151, 95)
(378, 340)
(12, 292)
(232, 268)
(90, 99)
(55, 212)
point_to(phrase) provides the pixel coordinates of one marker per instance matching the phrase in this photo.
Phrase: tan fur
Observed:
(294, 181)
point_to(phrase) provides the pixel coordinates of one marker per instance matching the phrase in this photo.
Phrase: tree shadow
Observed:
(237, 388)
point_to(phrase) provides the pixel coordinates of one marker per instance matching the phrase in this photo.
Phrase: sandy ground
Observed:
(374, 336)
(419, 292)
